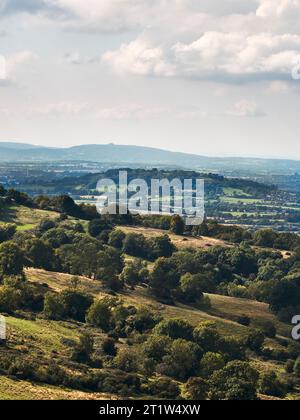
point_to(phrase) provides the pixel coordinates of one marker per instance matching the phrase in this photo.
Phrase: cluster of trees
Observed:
(155, 353)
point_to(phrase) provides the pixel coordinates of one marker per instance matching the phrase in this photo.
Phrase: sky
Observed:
(208, 77)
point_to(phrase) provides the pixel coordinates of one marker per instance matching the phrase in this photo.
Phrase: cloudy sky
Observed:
(213, 77)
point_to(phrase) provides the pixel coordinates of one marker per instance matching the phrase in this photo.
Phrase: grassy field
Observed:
(179, 241)
(11, 389)
(24, 217)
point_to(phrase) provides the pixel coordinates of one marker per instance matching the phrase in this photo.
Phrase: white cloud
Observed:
(10, 64)
(278, 8)
(141, 58)
(213, 55)
(245, 109)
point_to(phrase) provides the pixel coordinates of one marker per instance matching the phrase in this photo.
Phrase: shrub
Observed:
(297, 368)
(100, 315)
(236, 381)
(10, 299)
(53, 307)
(164, 388)
(157, 346)
(210, 363)
(175, 329)
(255, 340)
(109, 347)
(207, 337)
(182, 360)
(197, 389)
(269, 384)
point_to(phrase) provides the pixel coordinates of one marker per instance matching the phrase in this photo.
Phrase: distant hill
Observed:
(110, 153)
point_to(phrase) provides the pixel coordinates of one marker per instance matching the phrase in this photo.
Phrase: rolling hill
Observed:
(111, 153)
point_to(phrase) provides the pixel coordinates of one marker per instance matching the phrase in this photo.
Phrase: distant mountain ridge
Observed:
(111, 153)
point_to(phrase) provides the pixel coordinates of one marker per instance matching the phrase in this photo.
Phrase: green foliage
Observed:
(68, 304)
(11, 259)
(177, 225)
(156, 347)
(297, 368)
(175, 329)
(164, 388)
(210, 363)
(269, 384)
(10, 299)
(116, 238)
(182, 360)
(191, 287)
(7, 231)
(255, 340)
(109, 346)
(197, 389)
(236, 381)
(207, 337)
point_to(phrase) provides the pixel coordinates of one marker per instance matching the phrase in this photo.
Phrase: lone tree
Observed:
(177, 225)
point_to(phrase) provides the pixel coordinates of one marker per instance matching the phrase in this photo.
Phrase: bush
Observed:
(182, 360)
(109, 347)
(127, 360)
(255, 340)
(157, 346)
(197, 389)
(164, 388)
(269, 384)
(297, 368)
(210, 363)
(10, 299)
(100, 315)
(53, 307)
(268, 329)
(175, 329)
(207, 337)
(236, 381)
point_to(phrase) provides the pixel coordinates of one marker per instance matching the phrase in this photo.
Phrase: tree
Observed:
(53, 307)
(99, 315)
(83, 351)
(40, 254)
(175, 328)
(265, 238)
(136, 245)
(197, 389)
(269, 384)
(156, 347)
(164, 278)
(127, 360)
(7, 231)
(191, 287)
(207, 337)
(177, 225)
(11, 259)
(97, 226)
(109, 347)
(164, 388)
(255, 340)
(130, 274)
(76, 304)
(236, 381)
(10, 299)
(116, 238)
(210, 363)
(182, 360)
(161, 246)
